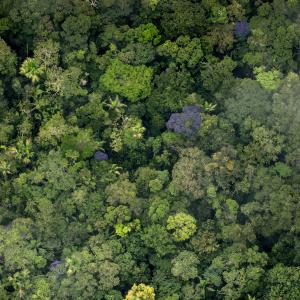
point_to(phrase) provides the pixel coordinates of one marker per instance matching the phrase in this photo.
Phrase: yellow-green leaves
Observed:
(31, 69)
(182, 225)
(132, 82)
(124, 229)
(141, 292)
(269, 80)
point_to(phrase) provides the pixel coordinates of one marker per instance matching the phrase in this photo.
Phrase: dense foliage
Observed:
(149, 149)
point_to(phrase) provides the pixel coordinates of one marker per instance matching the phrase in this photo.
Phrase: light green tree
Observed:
(182, 226)
(132, 82)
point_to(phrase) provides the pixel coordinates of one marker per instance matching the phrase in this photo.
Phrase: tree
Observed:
(220, 38)
(8, 61)
(272, 38)
(237, 271)
(89, 274)
(282, 283)
(183, 51)
(285, 110)
(187, 123)
(171, 88)
(83, 143)
(218, 14)
(22, 256)
(137, 54)
(47, 53)
(53, 131)
(140, 292)
(132, 82)
(75, 31)
(31, 69)
(182, 225)
(158, 209)
(150, 180)
(129, 135)
(269, 80)
(189, 175)
(266, 145)
(144, 34)
(19, 247)
(65, 83)
(121, 192)
(204, 243)
(273, 205)
(181, 18)
(184, 265)
(215, 132)
(248, 100)
(156, 237)
(214, 71)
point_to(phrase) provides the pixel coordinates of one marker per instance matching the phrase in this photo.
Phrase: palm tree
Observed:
(116, 105)
(31, 69)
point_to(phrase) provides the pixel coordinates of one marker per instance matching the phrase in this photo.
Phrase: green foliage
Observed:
(129, 135)
(269, 80)
(274, 198)
(285, 109)
(189, 175)
(218, 14)
(141, 292)
(282, 283)
(121, 192)
(131, 82)
(65, 83)
(53, 131)
(184, 51)
(248, 100)
(47, 53)
(266, 144)
(145, 33)
(94, 115)
(8, 61)
(185, 265)
(82, 142)
(75, 29)
(31, 69)
(241, 270)
(159, 215)
(150, 180)
(217, 75)
(182, 225)
(124, 229)
(20, 248)
(181, 18)
(273, 38)
(158, 209)
(89, 273)
(172, 87)
(156, 237)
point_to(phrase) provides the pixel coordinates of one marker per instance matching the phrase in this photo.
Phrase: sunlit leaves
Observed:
(182, 226)
(132, 82)
(31, 69)
(140, 292)
(269, 80)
